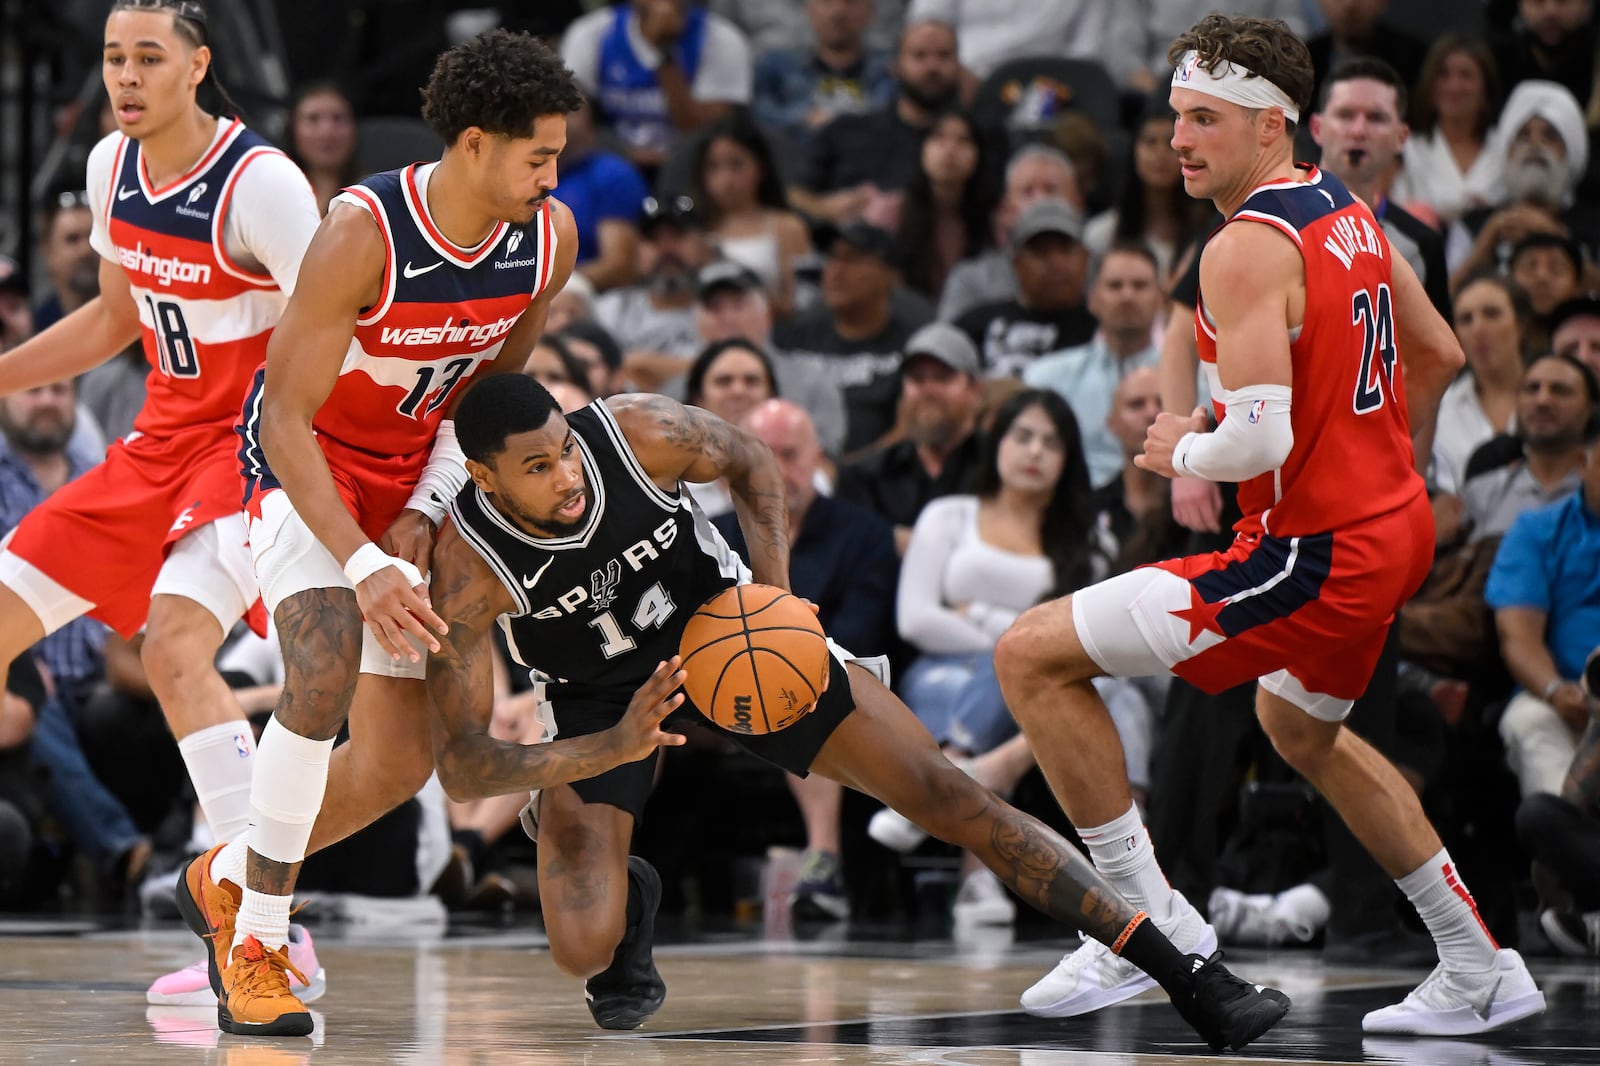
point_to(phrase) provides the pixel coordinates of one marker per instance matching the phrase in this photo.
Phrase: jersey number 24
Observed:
(1375, 316)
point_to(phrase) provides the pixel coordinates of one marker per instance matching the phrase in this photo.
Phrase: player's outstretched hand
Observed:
(393, 608)
(1163, 436)
(410, 537)
(640, 733)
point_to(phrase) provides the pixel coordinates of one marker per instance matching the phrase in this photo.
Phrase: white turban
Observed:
(1552, 102)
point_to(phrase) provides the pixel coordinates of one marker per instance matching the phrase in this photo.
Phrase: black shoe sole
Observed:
(1269, 1011)
(190, 910)
(297, 1023)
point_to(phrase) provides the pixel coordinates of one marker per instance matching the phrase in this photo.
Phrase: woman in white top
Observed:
(1491, 319)
(1448, 167)
(738, 195)
(972, 565)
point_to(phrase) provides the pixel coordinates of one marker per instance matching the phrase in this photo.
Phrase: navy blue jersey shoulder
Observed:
(1302, 202)
(428, 271)
(188, 215)
(597, 608)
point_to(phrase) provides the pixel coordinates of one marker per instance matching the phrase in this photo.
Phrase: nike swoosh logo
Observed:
(414, 272)
(529, 582)
(125, 192)
(1488, 1001)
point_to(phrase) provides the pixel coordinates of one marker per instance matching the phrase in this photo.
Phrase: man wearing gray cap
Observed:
(940, 394)
(1051, 262)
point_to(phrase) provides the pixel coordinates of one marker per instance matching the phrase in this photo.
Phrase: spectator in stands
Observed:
(800, 89)
(857, 337)
(938, 454)
(1491, 320)
(1360, 126)
(944, 213)
(599, 352)
(995, 31)
(36, 459)
(1544, 146)
(658, 68)
(72, 266)
(1575, 330)
(16, 320)
(742, 205)
(1563, 832)
(733, 305)
(1550, 269)
(1543, 462)
(1546, 604)
(653, 321)
(322, 139)
(1135, 508)
(855, 161)
(113, 392)
(575, 301)
(841, 558)
(551, 362)
(23, 802)
(1051, 265)
(775, 24)
(603, 190)
(1358, 28)
(1450, 167)
(1151, 207)
(1548, 41)
(1035, 172)
(1126, 299)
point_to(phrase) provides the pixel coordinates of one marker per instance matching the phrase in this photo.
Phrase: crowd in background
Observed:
(935, 254)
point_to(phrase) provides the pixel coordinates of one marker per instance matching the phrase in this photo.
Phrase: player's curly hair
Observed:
(1268, 47)
(500, 82)
(497, 407)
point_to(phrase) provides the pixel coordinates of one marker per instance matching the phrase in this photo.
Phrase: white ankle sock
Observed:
(229, 863)
(1451, 915)
(1123, 854)
(264, 917)
(219, 759)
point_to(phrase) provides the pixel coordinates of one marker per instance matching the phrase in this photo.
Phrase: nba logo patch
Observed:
(239, 746)
(1186, 68)
(1257, 409)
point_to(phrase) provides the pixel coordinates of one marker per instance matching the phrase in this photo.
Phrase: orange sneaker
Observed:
(210, 908)
(256, 1000)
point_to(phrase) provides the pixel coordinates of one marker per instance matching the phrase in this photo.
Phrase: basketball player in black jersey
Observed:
(577, 535)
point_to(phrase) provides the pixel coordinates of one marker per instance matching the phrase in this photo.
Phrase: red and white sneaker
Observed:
(191, 986)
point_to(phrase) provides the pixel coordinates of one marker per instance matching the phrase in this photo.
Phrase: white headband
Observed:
(1233, 83)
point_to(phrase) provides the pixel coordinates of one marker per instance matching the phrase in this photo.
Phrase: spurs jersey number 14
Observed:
(1352, 455)
(596, 610)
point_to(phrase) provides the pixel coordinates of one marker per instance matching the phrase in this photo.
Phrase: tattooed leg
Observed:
(881, 749)
(583, 879)
(320, 632)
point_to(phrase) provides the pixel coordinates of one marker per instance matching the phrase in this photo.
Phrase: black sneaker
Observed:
(625, 994)
(1225, 1011)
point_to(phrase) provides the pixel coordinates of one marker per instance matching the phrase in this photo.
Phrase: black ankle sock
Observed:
(1149, 949)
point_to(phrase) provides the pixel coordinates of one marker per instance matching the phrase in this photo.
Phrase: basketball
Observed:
(756, 657)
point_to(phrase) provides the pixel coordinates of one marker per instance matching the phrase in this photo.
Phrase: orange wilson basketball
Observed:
(756, 657)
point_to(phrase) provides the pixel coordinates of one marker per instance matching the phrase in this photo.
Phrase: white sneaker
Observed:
(1448, 1003)
(1256, 920)
(1092, 977)
(983, 900)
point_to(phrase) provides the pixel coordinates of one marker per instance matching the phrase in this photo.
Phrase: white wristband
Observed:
(369, 559)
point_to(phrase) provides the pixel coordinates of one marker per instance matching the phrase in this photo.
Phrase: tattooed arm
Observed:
(677, 443)
(460, 681)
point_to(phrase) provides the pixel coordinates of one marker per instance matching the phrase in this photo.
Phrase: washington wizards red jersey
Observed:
(206, 317)
(443, 315)
(1352, 457)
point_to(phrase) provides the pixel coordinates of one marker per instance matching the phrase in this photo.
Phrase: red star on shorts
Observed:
(1200, 615)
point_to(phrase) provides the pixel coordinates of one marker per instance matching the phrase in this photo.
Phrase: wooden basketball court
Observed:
(74, 993)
